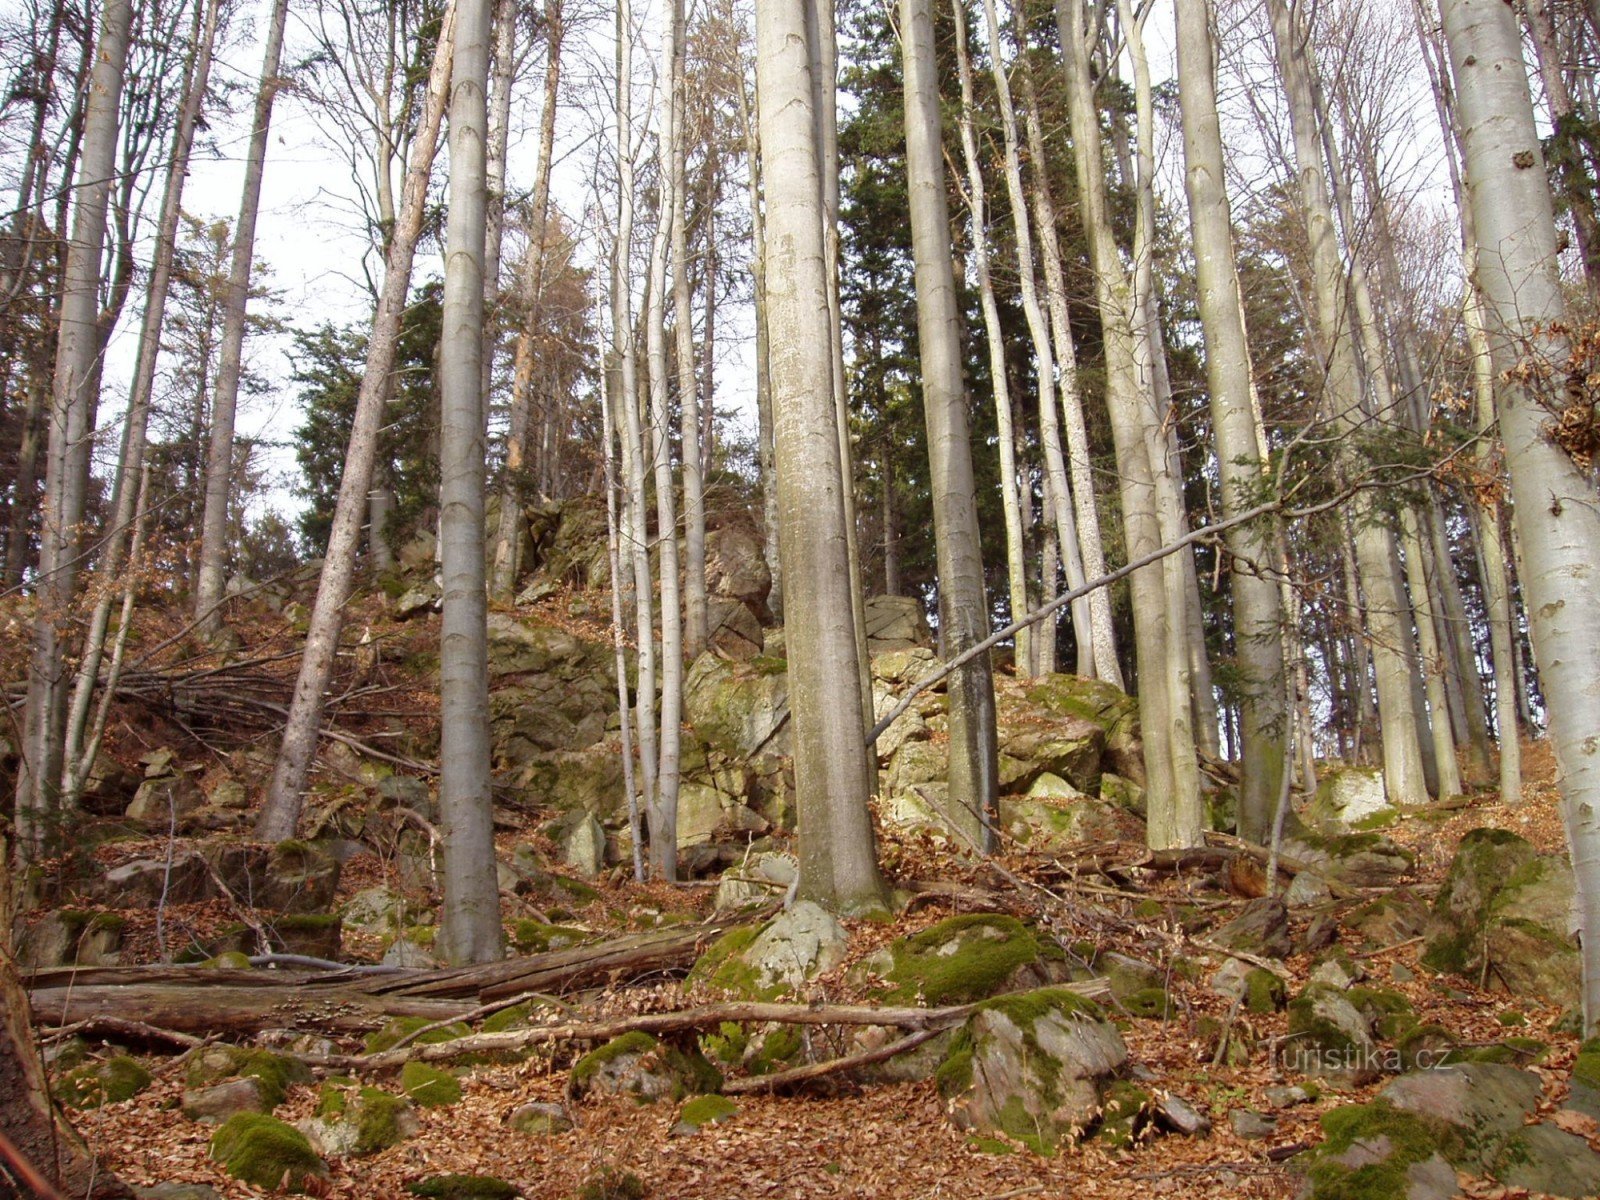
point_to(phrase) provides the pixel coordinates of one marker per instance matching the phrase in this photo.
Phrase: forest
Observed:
(612, 599)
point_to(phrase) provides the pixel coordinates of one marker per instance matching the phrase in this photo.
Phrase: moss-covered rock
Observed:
(1328, 1036)
(959, 960)
(276, 1072)
(1502, 917)
(353, 1121)
(400, 1027)
(777, 958)
(645, 1068)
(536, 937)
(429, 1086)
(462, 1187)
(702, 1111)
(1350, 799)
(1033, 1066)
(1124, 1113)
(111, 1082)
(266, 1152)
(1263, 991)
(1377, 1152)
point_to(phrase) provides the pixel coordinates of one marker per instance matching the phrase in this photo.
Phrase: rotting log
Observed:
(234, 1010)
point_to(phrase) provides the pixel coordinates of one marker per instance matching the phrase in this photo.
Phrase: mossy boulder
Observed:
(537, 937)
(702, 1111)
(1377, 1152)
(776, 959)
(275, 1072)
(1125, 1112)
(462, 1187)
(645, 1068)
(429, 1086)
(1363, 860)
(216, 1102)
(1329, 1037)
(1035, 740)
(110, 1082)
(353, 1121)
(959, 960)
(1388, 920)
(1503, 917)
(1034, 1066)
(267, 1153)
(540, 1118)
(1101, 704)
(1351, 799)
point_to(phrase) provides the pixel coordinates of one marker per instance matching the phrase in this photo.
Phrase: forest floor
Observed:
(837, 1139)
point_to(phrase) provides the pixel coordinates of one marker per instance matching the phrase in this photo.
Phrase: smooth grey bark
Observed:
(469, 918)
(619, 640)
(663, 809)
(281, 811)
(1557, 510)
(1101, 659)
(78, 346)
(838, 863)
(1057, 496)
(1540, 18)
(128, 488)
(502, 71)
(1159, 604)
(1387, 612)
(230, 362)
(1011, 483)
(963, 603)
(1256, 600)
(758, 269)
(530, 287)
(694, 504)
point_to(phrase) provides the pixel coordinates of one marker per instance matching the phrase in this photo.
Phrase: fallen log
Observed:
(234, 1010)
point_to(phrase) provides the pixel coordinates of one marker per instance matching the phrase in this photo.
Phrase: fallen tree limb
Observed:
(834, 1066)
(234, 1010)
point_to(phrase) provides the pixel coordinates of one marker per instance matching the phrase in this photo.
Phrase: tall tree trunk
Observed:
(1566, 118)
(1387, 612)
(71, 402)
(1039, 333)
(1557, 510)
(225, 399)
(130, 465)
(469, 919)
(508, 535)
(1010, 479)
(1257, 610)
(503, 62)
(1160, 614)
(694, 505)
(281, 812)
(963, 603)
(838, 863)
(758, 268)
(619, 641)
(1102, 657)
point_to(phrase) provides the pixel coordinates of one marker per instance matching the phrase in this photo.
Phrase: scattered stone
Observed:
(405, 952)
(1308, 890)
(1358, 860)
(1329, 1037)
(147, 882)
(540, 1118)
(1389, 920)
(117, 1079)
(640, 1066)
(1261, 929)
(67, 936)
(1251, 1125)
(215, 1104)
(581, 841)
(1331, 973)
(1285, 1097)
(418, 599)
(352, 1121)
(1321, 932)
(1033, 1066)
(1178, 1115)
(789, 950)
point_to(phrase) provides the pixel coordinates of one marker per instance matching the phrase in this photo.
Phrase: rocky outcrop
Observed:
(1504, 916)
(1033, 1066)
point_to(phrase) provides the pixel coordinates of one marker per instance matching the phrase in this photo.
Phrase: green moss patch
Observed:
(401, 1027)
(429, 1086)
(587, 1067)
(960, 960)
(111, 1082)
(266, 1152)
(536, 937)
(462, 1187)
(1264, 991)
(702, 1111)
(1412, 1139)
(276, 1073)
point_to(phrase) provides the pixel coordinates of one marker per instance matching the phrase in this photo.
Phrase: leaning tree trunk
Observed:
(838, 862)
(1557, 508)
(230, 365)
(469, 919)
(281, 811)
(963, 604)
(1257, 610)
(71, 403)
